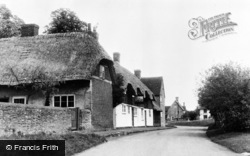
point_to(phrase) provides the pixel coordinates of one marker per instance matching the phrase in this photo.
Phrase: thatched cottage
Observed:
(139, 103)
(156, 85)
(78, 67)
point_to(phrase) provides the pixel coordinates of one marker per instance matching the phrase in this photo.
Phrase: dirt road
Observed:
(181, 141)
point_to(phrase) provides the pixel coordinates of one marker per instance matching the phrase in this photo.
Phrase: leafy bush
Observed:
(65, 20)
(10, 24)
(225, 93)
(192, 123)
(191, 115)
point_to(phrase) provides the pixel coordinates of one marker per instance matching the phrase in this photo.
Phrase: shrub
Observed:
(191, 115)
(225, 93)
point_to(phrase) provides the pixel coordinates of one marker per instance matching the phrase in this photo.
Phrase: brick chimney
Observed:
(138, 74)
(116, 57)
(29, 30)
(177, 99)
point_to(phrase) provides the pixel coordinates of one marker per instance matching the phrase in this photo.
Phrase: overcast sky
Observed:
(152, 35)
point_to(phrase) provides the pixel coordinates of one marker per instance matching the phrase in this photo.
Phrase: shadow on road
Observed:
(192, 131)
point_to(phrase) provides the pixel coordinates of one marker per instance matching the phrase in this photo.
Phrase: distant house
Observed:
(176, 110)
(83, 68)
(139, 103)
(156, 85)
(204, 113)
(166, 112)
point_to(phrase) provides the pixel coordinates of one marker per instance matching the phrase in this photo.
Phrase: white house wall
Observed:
(139, 119)
(124, 118)
(202, 114)
(149, 117)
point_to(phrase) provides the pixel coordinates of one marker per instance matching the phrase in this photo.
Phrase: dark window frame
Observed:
(17, 99)
(62, 101)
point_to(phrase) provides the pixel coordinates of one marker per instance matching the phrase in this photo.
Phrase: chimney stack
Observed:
(29, 30)
(138, 74)
(116, 57)
(177, 99)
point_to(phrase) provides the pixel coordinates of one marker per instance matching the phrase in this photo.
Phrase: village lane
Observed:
(181, 141)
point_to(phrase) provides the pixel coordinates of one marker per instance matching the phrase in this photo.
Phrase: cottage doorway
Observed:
(75, 116)
(133, 111)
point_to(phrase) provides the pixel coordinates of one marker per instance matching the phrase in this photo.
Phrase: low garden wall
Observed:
(30, 119)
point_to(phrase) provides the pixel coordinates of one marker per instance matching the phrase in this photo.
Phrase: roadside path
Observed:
(181, 141)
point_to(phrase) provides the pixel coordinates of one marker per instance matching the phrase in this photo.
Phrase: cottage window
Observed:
(149, 113)
(19, 99)
(102, 71)
(123, 108)
(205, 116)
(64, 101)
(139, 99)
(128, 110)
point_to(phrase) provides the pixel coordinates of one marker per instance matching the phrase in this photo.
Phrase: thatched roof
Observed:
(131, 79)
(154, 84)
(156, 106)
(68, 56)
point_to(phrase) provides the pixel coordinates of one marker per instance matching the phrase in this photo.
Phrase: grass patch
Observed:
(74, 142)
(192, 123)
(236, 141)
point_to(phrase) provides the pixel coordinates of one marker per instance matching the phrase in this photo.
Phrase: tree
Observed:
(225, 93)
(191, 115)
(118, 90)
(64, 20)
(10, 25)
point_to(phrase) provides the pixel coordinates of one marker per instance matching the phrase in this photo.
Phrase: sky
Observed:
(152, 35)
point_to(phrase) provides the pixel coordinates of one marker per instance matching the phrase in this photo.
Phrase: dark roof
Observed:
(68, 56)
(153, 83)
(130, 78)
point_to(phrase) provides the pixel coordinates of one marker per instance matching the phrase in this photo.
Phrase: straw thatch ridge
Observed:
(136, 83)
(66, 56)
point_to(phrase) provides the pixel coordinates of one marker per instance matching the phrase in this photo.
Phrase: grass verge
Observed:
(74, 142)
(192, 123)
(238, 142)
